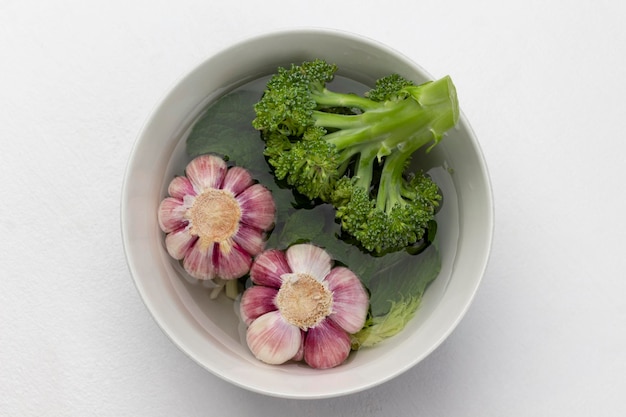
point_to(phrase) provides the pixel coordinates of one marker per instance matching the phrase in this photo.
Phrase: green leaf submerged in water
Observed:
(395, 296)
(225, 129)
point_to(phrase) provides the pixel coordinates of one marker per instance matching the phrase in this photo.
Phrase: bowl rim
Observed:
(461, 308)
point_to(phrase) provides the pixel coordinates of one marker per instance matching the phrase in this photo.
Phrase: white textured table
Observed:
(543, 84)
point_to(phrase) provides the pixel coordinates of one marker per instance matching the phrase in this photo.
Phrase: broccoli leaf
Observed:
(225, 129)
(395, 296)
(379, 328)
(302, 226)
(404, 279)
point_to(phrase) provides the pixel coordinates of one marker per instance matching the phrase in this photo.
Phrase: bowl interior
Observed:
(210, 331)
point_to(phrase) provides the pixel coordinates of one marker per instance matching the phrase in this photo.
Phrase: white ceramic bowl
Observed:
(208, 331)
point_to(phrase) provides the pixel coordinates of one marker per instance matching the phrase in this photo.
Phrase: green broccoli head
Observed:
(353, 205)
(394, 222)
(288, 103)
(390, 88)
(352, 151)
(309, 165)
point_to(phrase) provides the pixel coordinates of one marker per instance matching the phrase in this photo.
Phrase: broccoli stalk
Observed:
(411, 122)
(353, 151)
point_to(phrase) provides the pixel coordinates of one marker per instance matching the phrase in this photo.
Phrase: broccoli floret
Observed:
(353, 151)
(390, 87)
(396, 218)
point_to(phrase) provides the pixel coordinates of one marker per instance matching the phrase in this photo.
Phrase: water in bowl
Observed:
(211, 132)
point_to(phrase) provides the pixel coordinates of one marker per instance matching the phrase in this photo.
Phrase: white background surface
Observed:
(543, 85)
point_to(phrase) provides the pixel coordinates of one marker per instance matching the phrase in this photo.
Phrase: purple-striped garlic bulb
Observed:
(215, 219)
(301, 307)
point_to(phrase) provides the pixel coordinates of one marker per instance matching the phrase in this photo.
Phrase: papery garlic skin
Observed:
(215, 219)
(300, 307)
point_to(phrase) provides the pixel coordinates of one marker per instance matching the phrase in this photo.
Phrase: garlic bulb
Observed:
(215, 219)
(302, 308)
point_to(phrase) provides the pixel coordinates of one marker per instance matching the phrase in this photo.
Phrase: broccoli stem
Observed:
(327, 98)
(407, 124)
(390, 124)
(364, 173)
(389, 190)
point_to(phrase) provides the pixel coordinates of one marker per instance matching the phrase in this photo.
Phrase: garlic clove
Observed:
(272, 340)
(198, 261)
(257, 207)
(326, 346)
(179, 242)
(180, 187)
(257, 301)
(252, 240)
(206, 171)
(350, 300)
(171, 214)
(237, 179)
(300, 354)
(269, 267)
(231, 260)
(309, 259)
